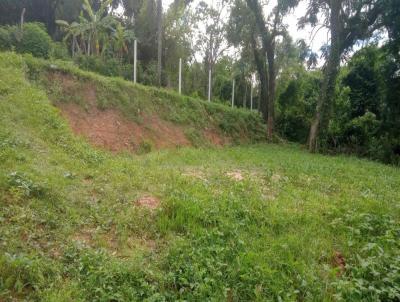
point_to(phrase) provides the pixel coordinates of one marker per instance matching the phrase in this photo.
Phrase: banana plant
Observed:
(72, 31)
(121, 38)
(97, 23)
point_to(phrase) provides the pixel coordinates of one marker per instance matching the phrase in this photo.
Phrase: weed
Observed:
(21, 182)
(145, 147)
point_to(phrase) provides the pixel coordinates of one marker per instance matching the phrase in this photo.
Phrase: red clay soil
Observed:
(110, 130)
(215, 138)
(149, 202)
(339, 262)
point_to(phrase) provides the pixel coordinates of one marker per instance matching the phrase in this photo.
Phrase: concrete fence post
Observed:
(209, 85)
(135, 61)
(233, 93)
(180, 76)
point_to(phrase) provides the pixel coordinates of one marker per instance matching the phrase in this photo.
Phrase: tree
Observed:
(210, 43)
(43, 11)
(243, 34)
(267, 29)
(96, 23)
(347, 21)
(159, 39)
(177, 41)
(72, 31)
(121, 38)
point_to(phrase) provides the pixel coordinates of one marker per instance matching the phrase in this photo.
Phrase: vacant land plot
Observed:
(248, 223)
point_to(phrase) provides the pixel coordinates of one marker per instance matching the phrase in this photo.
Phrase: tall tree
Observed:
(347, 21)
(159, 39)
(244, 34)
(177, 41)
(268, 30)
(210, 40)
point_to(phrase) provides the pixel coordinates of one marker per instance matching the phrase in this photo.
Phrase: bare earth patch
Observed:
(195, 174)
(149, 202)
(84, 236)
(235, 175)
(109, 128)
(339, 262)
(215, 138)
(141, 243)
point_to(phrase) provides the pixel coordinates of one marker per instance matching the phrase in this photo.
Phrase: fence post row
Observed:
(180, 79)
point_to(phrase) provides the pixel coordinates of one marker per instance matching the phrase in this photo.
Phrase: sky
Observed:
(315, 42)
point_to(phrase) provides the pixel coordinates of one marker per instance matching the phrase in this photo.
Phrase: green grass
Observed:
(70, 229)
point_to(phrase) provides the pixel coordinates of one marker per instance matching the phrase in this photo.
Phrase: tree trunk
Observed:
(22, 19)
(73, 46)
(268, 42)
(331, 71)
(260, 65)
(271, 90)
(89, 44)
(159, 40)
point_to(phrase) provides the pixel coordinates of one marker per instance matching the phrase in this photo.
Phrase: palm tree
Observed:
(73, 30)
(97, 30)
(121, 38)
(97, 23)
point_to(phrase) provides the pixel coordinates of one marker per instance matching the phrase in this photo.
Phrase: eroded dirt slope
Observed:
(109, 128)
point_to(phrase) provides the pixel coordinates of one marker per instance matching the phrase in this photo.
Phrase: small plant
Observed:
(144, 147)
(22, 182)
(373, 273)
(195, 137)
(19, 273)
(59, 51)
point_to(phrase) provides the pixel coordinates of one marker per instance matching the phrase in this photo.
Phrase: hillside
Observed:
(240, 223)
(119, 116)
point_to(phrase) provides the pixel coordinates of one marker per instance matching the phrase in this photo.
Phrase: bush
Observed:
(59, 51)
(372, 274)
(34, 40)
(29, 188)
(144, 147)
(5, 38)
(106, 66)
(293, 126)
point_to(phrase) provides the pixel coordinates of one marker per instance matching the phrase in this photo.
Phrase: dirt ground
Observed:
(110, 130)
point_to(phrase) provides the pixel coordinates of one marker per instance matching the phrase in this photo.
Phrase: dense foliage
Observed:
(31, 38)
(365, 112)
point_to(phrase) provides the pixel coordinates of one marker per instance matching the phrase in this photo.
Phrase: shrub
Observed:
(33, 39)
(59, 51)
(145, 147)
(5, 38)
(20, 272)
(29, 188)
(372, 274)
(106, 66)
(293, 126)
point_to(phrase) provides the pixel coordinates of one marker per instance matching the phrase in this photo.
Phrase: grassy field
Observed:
(244, 223)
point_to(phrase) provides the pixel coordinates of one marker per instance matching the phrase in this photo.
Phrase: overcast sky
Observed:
(291, 20)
